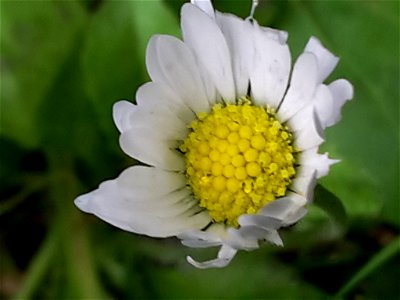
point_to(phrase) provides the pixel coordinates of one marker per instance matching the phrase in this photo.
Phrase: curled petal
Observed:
(304, 183)
(265, 222)
(200, 239)
(323, 104)
(284, 208)
(326, 60)
(246, 237)
(342, 91)
(225, 255)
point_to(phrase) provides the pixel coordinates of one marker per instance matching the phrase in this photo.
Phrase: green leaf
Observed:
(36, 36)
(113, 55)
(331, 204)
(69, 124)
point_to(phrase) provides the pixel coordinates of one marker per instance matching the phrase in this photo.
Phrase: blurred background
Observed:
(64, 64)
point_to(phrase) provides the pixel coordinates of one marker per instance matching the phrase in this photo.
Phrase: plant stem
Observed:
(41, 262)
(375, 262)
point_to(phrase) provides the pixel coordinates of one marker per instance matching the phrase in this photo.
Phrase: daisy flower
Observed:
(228, 135)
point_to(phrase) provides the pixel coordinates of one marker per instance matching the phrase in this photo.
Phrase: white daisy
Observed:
(228, 135)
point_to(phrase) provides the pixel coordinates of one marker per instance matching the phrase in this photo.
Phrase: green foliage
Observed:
(65, 63)
(35, 40)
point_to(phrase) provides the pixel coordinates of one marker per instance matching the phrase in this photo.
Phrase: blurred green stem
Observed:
(33, 184)
(67, 240)
(82, 281)
(375, 262)
(41, 262)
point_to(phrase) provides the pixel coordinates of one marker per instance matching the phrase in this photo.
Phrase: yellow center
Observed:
(238, 158)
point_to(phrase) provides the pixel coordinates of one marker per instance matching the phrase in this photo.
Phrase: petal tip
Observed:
(83, 203)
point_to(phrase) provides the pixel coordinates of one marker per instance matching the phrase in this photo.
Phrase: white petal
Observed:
(274, 238)
(200, 239)
(326, 60)
(206, 6)
(241, 242)
(270, 68)
(158, 95)
(323, 104)
(302, 86)
(319, 162)
(246, 237)
(284, 208)
(295, 216)
(208, 44)
(304, 183)
(275, 34)
(160, 119)
(309, 136)
(302, 119)
(342, 91)
(169, 61)
(122, 111)
(149, 147)
(225, 255)
(171, 203)
(238, 35)
(109, 204)
(265, 222)
(260, 227)
(144, 181)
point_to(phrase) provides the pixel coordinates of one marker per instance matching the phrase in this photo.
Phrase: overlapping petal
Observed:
(159, 96)
(150, 146)
(270, 67)
(205, 39)
(303, 83)
(239, 37)
(128, 211)
(170, 61)
(326, 60)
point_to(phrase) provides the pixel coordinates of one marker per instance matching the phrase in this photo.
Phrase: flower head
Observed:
(228, 133)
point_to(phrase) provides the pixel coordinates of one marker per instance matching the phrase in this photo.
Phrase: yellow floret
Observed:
(240, 173)
(222, 131)
(219, 183)
(258, 142)
(253, 169)
(251, 155)
(214, 155)
(243, 145)
(245, 132)
(238, 158)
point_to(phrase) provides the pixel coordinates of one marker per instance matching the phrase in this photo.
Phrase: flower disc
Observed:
(238, 158)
